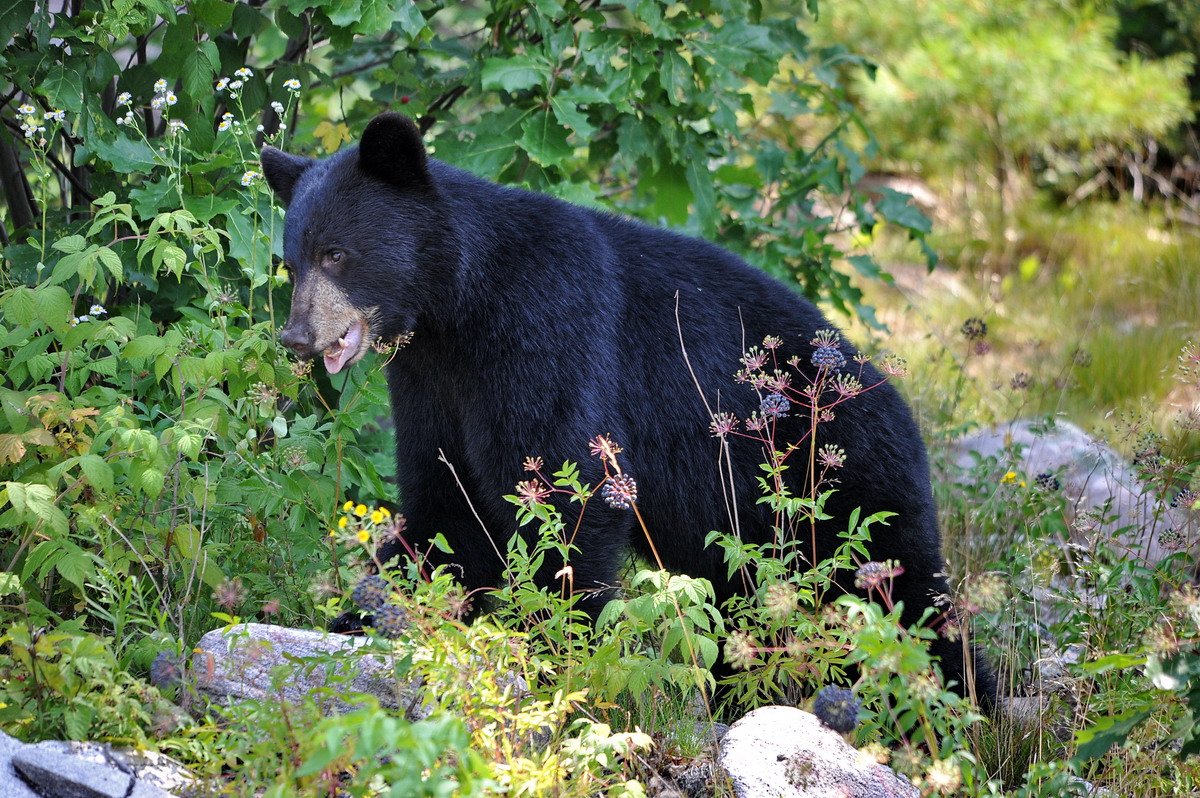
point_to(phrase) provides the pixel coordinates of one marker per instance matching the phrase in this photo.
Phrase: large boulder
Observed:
(1104, 494)
(237, 663)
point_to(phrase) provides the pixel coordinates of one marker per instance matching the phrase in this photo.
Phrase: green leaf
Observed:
(53, 306)
(111, 261)
(63, 87)
(410, 18)
(897, 208)
(126, 155)
(10, 583)
(37, 501)
(98, 472)
(19, 306)
(1095, 741)
(144, 346)
(214, 15)
(70, 244)
(545, 140)
(516, 73)
(700, 180)
(200, 68)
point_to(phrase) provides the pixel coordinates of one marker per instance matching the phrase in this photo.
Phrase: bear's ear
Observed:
(392, 150)
(282, 171)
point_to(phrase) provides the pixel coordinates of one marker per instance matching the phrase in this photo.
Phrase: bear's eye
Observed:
(334, 256)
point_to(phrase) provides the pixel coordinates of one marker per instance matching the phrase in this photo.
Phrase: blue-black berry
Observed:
(390, 621)
(166, 670)
(775, 405)
(619, 491)
(829, 357)
(837, 708)
(1047, 481)
(371, 592)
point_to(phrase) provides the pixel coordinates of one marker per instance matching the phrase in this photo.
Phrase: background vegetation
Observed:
(167, 469)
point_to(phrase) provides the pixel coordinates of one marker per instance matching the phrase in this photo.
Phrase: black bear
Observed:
(537, 325)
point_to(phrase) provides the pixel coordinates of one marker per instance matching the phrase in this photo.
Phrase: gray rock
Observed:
(236, 663)
(1104, 495)
(59, 775)
(785, 752)
(156, 774)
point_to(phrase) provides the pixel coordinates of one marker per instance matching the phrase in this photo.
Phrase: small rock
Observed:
(11, 785)
(786, 752)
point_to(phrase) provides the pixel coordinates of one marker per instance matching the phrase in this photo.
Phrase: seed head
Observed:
(780, 600)
(532, 492)
(722, 424)
(894, 366)
(837, 708)
(620, 491)
(229, 593)
(944, 777)
(371, 593)
(831, 456)
(1020, 381)
(741, 650)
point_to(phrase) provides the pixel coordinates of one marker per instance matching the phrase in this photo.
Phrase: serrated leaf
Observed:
(544, 139)
(98, 472)
(19, 307)
(199, 69)
(144, 346)
(516, 73)
(12, 448)
(70, 244)
(111, 261)
(53, 306)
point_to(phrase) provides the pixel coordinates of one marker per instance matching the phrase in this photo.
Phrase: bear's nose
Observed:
(297, 338)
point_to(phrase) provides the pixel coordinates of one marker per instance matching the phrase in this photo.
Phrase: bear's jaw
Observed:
(348, 349)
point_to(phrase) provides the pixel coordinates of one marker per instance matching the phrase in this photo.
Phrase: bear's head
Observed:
(361, 230)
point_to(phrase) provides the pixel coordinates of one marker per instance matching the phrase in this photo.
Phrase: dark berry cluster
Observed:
(837, 708)
(974, 329)
(390, 621)
(1047, 481)
(872, 574)
(619, 491)
(166, 670)
(828, 357)
(775, 405)
(370, 593)
(1020, 381)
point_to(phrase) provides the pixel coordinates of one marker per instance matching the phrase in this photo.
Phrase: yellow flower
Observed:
(332, 533)
(342, 522)
(348, 506)
(386, 512)
(1009, 478)
(376, 517)
(360, 510)
(363, 536)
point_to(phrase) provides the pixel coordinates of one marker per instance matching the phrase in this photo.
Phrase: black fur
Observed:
(538, 325)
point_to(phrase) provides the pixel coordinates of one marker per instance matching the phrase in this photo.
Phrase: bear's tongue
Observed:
(345, 348)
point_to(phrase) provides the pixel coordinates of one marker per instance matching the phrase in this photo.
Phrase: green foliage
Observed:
(965, 87)
(65, 684)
